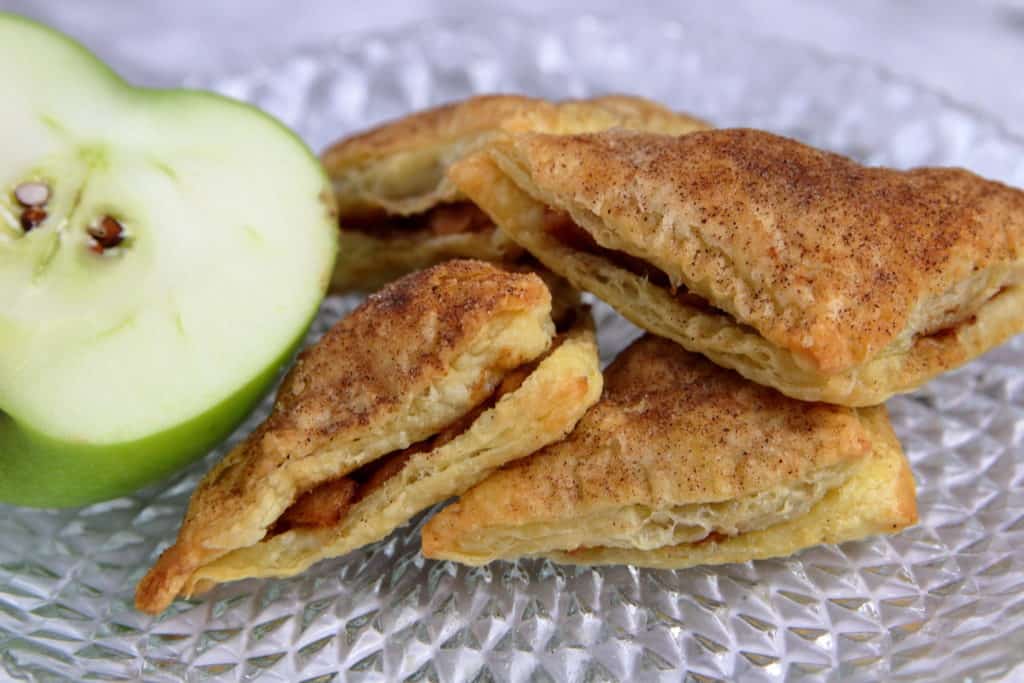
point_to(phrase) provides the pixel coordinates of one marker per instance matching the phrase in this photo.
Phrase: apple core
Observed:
(162, 253)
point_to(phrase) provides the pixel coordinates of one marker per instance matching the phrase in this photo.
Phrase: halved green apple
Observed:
(161, 254)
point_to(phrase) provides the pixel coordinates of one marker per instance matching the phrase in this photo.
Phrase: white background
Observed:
(970, 49)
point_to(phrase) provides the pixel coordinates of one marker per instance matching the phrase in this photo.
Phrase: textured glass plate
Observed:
(943, 600)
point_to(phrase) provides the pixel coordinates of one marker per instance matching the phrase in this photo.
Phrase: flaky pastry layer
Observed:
(878, 498)
(400, 168)
(411, 360)
(678, 452)
(544, 409)
(954, 321)
(367, 262)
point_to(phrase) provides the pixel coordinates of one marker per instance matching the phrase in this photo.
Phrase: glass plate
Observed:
(945, 599)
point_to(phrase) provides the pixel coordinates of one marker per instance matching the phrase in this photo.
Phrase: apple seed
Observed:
(106, 234)
(32, 194)
(31, 217)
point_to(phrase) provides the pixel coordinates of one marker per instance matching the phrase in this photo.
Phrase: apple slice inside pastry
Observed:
(399, 212)
(434, 382)
(800, 269)
(683, 462)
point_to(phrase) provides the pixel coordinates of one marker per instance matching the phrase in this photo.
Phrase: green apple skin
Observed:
(97, 396)
(77, 474)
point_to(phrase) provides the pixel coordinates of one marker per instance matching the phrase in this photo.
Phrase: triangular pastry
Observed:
(431, 384)
(681, 463)
(398, 210)
(800, 269)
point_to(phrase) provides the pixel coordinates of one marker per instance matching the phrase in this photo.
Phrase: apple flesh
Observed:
(128, 348)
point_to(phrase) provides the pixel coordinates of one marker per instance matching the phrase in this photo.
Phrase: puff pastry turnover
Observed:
(680, 463)
(800, 269)
(399, 212)
(423, 390)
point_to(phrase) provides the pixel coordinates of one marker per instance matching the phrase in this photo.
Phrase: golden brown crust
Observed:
(627, 112)
(672, 430)
(457, 121)
(828, 259)
(412, 359)
(437, 125)
(542, 410)
(397, 343)
(693, 433)
(638, 113)
(689, 431)
(878, 499)
(399, 168)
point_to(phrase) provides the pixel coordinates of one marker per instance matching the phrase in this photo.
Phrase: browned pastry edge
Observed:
(826, 258)
(357, 382)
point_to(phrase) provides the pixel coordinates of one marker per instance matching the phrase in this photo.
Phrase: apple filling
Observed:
(445, 219)
(328, 503)
(562, 228)
(956, 319)
(951, 328)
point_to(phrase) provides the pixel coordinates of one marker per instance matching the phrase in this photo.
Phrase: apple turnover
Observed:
(801, 269)
(419, 393)
(398, 210)
(681, 463)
